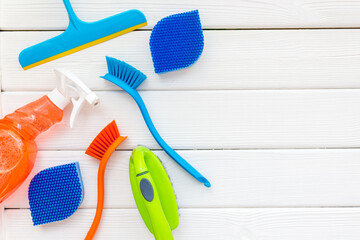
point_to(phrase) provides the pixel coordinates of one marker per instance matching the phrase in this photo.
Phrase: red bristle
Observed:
(95, 155)
(116, 132)
(112, 132)
(103, 141)
(99, 146)
(107, 137)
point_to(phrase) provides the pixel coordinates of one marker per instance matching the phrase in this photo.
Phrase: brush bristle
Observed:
(55, 193)
(125, 72)
(177, 42)
(103, 141)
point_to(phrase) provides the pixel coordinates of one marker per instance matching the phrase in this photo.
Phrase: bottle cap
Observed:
(58, 99)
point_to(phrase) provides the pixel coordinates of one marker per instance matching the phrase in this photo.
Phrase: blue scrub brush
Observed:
(55, 193)
(129, 79)
(177, 42)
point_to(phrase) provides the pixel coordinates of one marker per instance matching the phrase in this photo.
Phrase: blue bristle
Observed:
(55, 193)
(177, 41)
(125, 72)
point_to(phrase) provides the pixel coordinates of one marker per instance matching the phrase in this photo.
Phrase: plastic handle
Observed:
(171, 152)
(174, 155)
(161, 228)
(77, 106)
(159, 223)
(73, 19)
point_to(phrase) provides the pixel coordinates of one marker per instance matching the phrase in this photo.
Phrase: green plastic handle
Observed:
(160, 225)
(153, 193)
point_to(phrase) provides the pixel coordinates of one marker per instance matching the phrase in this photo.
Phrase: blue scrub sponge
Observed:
(55, 193)
(177, 41)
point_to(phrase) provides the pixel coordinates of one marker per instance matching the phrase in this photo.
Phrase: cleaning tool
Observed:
(80, 35)
(55, 193)
(153, 193)
(18, 130)
(177, 42)
(129, 78)
(101, 148)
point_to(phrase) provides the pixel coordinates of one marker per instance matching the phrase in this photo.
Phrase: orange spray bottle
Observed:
(18, 130)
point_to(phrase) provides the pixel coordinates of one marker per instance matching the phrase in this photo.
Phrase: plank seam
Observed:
(204, 29)
(214, 208)
(212, 149)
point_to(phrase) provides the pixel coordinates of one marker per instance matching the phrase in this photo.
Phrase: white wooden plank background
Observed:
(271, 59)
(215, 120)
(230, 224)
(49, 15)
(327, 178)
(270, 115)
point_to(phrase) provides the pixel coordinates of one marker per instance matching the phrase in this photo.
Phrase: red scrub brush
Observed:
(101, 148)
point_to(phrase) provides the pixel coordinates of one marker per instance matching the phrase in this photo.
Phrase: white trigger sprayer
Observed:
(71, 89)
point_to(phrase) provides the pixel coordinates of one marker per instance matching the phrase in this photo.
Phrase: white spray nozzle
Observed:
(71, 89)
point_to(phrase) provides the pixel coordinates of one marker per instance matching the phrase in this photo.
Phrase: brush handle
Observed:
(150, 198)
(74, 21)
(100, 201)
(161, 228)
(171, 152)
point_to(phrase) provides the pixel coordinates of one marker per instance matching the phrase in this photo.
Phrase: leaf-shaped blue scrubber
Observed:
(55, 193)
(177, 41)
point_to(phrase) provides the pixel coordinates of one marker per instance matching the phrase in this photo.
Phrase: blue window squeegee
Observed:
(80, 35)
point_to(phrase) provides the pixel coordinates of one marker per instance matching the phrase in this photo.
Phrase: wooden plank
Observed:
(216, 119)
(231, 60)
(230, 224)
(1, 59)
(259, 178)
(19, 15)
(2, 209)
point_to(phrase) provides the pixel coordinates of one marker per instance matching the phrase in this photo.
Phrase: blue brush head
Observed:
(177, 42)
(119, 70)
(55, 193)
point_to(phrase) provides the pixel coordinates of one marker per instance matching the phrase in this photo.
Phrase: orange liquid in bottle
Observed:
(18, 149)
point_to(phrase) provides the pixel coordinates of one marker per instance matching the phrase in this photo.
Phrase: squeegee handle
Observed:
(174, 155)
(73, 19)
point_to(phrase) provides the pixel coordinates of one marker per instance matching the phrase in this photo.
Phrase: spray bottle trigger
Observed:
(77, 105)
(71, 87)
